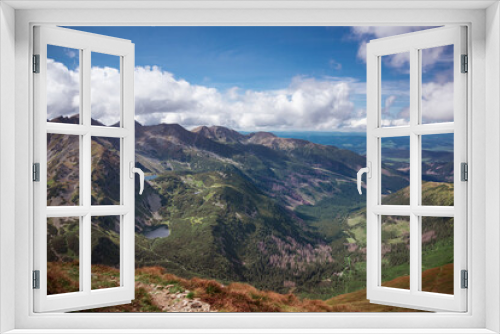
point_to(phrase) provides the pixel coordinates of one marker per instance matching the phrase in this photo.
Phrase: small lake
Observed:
(150, 177)
(161, 231)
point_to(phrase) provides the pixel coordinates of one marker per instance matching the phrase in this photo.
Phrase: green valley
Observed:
(279, 214)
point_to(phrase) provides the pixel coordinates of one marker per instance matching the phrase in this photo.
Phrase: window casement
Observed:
(479, 100)
(80, 212)
(414, 47)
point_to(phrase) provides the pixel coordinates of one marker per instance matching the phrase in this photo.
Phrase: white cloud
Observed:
(389, 101)
(306, 104)
(394, 122)
(71, 53)
(63, 93)
(383, 31)
(431, 56)
(437, 102)
(400, 61)
(365, 34)
(335, 64)
(362, 51)
(105, 94)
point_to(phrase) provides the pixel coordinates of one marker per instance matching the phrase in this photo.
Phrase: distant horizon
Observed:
(190, 128)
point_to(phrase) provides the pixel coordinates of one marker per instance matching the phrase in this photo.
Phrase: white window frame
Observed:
(86, 43)
(413, 43)
(483, 102)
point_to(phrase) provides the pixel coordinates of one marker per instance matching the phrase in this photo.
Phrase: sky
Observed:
(252, 78)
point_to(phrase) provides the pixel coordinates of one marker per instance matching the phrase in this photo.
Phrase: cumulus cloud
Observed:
(63, 92)
(437, 102)
(394, 122)
(437, 105)
(400, 61)
(362, 51)
(306, 104)
(105, 94)
(389, 101)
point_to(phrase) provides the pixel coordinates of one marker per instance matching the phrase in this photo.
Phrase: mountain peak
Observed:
(73, 119)
(262, 134)
(220, 134)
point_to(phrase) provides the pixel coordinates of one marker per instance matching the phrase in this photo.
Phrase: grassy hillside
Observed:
(159, 291)
(279, 214)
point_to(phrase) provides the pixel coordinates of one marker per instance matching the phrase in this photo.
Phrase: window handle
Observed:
(141, 175)
(368, 171)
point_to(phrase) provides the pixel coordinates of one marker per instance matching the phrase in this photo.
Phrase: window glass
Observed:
(437, 169)
(105, 90)
(395, 90)
(395, 170)
(63, 85)
(396, 251)
(105, 171)
(63, 170)
(437, 254)
(63, 254)
(105, 252)
(437, 84)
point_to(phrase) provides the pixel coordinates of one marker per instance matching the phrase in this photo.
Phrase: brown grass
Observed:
(61, 277)
(240, 297)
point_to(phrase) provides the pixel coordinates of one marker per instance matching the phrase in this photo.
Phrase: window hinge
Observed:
(36, 63)
(36, 172)
(464, 171)
(465, 279)
(465, 64)
(36, 279)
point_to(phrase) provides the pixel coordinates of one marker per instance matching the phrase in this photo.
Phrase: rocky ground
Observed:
(169, 299)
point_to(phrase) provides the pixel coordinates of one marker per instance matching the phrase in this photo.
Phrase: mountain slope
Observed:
(280, 214)
(160, 291)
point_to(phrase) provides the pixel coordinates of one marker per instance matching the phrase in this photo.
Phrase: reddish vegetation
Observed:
(62, 277)
(439, 280)
(239, 297)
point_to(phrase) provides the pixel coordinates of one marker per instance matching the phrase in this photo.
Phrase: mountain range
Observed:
(280, 214)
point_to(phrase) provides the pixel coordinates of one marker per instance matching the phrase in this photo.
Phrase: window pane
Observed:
(395, 93)
(437, 169)
(437, 254)
(63, 84)
(63, 170)
(63, 249)
(105, 171)
(396, 251)
(105, 252)
(395, 171)
(437, 84)
(105, 90)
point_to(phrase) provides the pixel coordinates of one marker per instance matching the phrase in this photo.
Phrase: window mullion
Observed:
(86, 173)
(414, 172)
(81, 248)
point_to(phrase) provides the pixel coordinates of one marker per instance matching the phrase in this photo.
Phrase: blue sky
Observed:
(257, 58)
(251, 78)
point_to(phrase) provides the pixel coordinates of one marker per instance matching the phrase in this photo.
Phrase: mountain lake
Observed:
(161, 231)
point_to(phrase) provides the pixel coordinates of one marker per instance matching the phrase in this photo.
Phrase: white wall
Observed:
(7, 161)
(492, 147)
